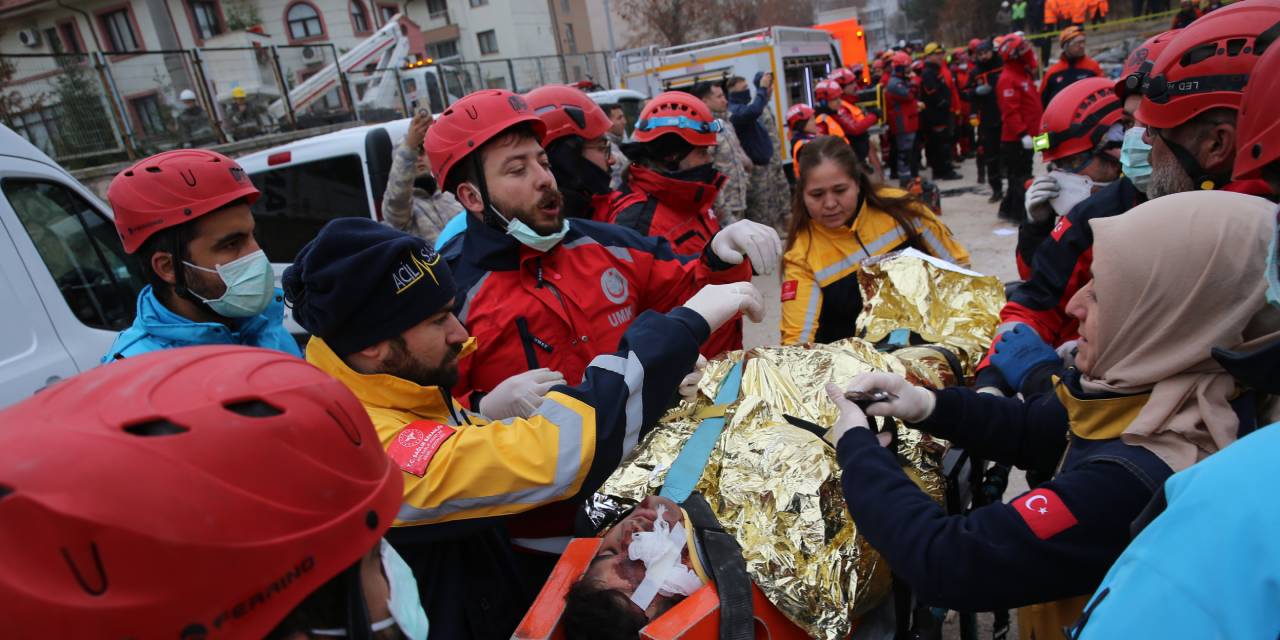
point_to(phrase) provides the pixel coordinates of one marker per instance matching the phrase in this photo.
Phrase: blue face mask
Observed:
(1273, 267)
(525, 235)
(404, 604)
(250, 285)
(1135, 158)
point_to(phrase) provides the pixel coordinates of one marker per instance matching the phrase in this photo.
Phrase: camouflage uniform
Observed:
(620, 161)
(412, 209)
(769, 194)
(729, 159)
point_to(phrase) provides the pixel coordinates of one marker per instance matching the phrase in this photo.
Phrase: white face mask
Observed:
(1074, 189)
(250, 286)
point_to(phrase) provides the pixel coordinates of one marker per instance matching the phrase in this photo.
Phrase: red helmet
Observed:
(900, 59)
(842, 76)
(472, 121)
(798, 113)
(973, 44)
(567, 111)
(1140, 61)
(858, 70)
(1207, 64)
(679, 113)
(204, 489)
(827, 90)
(170, 188)
(878, 65)
(1257, 132)
(1079, 116)
(1013, 47)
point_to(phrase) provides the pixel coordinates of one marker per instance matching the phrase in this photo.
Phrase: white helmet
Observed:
(187, 94)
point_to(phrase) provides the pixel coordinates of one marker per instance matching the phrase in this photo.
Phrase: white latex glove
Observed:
(753, 240)
(1067, 351)
(689, 386)
(519, 395)
(911, 403)
(719, 303)
(1027, 142)
(851, 417)
(1039, 194)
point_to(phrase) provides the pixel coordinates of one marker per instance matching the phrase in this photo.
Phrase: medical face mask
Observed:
(404, 604)
(660, 551)
(525, 235)
(1273, 267)
(1073, 189)
(250, 286)
(1135, 158)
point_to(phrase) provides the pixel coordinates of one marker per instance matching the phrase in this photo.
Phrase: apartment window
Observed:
(208, 22)
(488, 42)
(359, 18)
(479, 3)
(303, 21)
(70, 38)
(388, 11)
(445, 49)
(437, 9)
(566, 6)
(569, 39)
(146, 111)
(118, 28)
(38, 126)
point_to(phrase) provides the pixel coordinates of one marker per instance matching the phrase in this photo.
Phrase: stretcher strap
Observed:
(687, 468)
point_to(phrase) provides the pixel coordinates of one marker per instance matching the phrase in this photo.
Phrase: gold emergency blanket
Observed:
(776, 487)
(942, 303)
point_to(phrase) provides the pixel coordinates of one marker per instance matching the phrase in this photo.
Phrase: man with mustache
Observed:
(380, 305)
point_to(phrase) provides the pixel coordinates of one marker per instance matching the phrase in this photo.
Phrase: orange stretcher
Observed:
(697, 617)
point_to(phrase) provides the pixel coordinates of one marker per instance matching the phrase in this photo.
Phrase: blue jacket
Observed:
(1209, 566)
(156, 328)
(744, 114)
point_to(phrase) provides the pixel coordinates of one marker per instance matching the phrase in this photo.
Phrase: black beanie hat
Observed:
(359, 283)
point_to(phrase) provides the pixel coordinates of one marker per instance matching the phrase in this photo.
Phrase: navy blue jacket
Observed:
(994, 557)
(744, 114)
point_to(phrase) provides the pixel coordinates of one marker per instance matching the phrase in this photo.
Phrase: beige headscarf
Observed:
(1175, 277)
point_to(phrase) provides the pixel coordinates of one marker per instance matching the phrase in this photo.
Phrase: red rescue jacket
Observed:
(901, 108)
(1063, 73)
(1020, 110)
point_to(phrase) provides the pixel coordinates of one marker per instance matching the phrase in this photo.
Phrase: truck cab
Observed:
(67, 285)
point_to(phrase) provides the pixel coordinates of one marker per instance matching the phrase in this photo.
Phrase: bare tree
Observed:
(665, 22)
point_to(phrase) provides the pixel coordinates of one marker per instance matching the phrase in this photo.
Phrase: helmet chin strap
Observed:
(491, 215)
(1199, 175)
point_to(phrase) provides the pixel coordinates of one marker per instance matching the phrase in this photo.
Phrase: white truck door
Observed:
(31, 355)
(87, 286)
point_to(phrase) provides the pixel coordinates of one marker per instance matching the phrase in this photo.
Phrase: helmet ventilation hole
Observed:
(152, 428)
(253, 409)
(154, 169)
(371, 519)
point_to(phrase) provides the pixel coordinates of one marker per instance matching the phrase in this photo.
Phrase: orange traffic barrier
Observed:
(697, 617)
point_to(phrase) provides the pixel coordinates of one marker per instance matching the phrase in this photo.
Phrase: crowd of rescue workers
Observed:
(471, 379)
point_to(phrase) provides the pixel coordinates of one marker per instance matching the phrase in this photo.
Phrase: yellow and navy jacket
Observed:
(479, 468)
(820, 295)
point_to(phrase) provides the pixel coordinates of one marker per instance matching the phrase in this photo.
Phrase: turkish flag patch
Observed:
(1064, 223)
(1044, 512)
(789, 290)
(416, 445)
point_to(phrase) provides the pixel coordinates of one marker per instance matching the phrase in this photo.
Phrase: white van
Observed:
(306, 183)
(66, 285)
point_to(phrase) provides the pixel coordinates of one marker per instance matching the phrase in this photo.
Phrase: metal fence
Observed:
(95, 108)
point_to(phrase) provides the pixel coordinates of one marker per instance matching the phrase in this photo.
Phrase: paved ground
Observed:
(990, 243)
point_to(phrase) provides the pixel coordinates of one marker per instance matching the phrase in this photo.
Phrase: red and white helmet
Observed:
(184, 493)
(1079, 118)
(567, 111)
(843, 76)
(827, 90)
(679, 113)
(799, 113)
(472, 121)
(1015, 48)
(170, 188)
(1207, 65)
